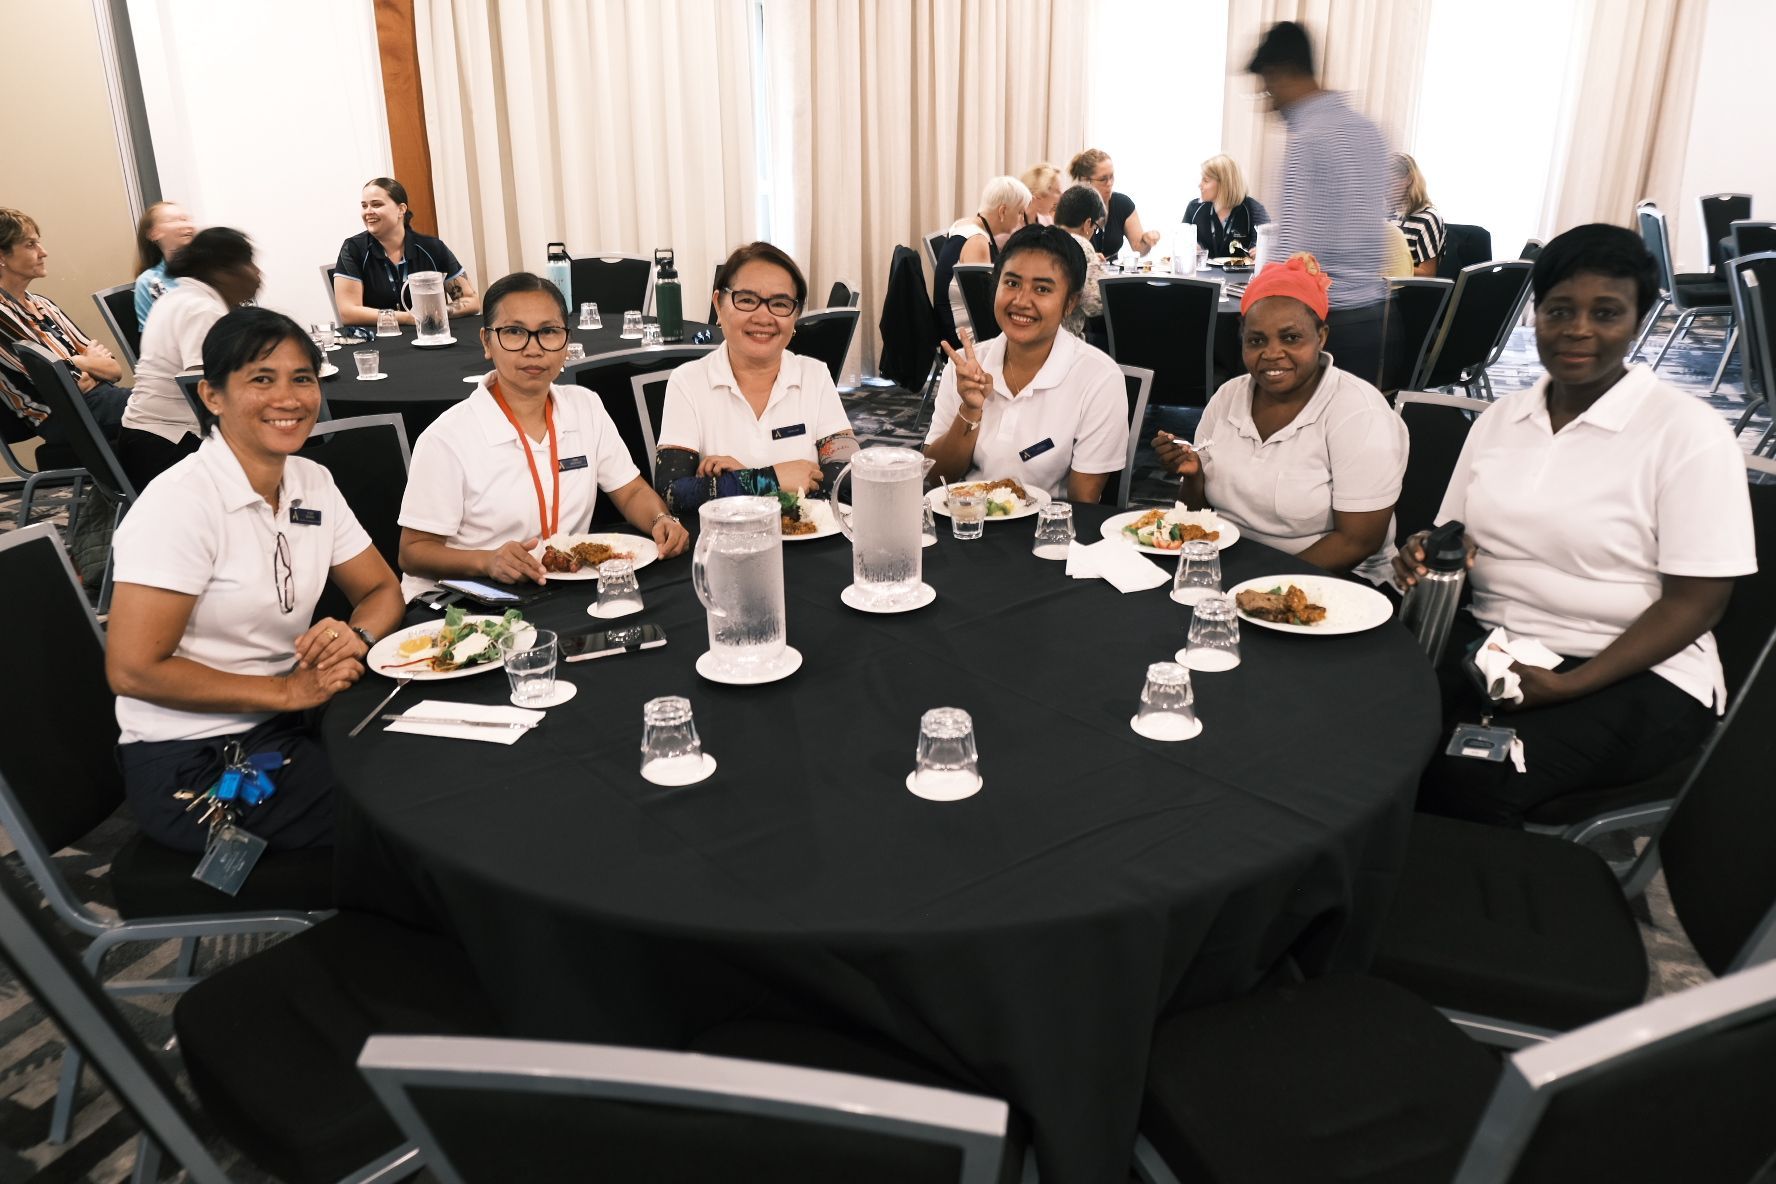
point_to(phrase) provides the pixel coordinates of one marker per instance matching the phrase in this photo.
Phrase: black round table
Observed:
(423, 383)
(1024, 940)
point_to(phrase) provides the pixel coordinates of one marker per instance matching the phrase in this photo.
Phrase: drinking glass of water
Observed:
(671, 751)
(632, 324)
(1199, 572)
(968, 514)
(589, 318)
(1167, 704)
(1054, 530)
(650, 333)
(948, 764)
(1214, 639)
(927, 526)
(576, 352)
(530, 664)
(369, 363)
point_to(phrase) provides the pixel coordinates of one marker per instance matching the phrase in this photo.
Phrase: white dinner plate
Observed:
(1112, 529)
(820, 512)
(1037, 499)
(1350, 607)
(642, 548)
(385, 657)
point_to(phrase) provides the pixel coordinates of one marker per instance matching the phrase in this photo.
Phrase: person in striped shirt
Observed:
(1334, 195)
(1416, 217)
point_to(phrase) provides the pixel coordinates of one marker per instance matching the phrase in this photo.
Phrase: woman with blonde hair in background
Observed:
(1044, 183)
(975, 240)
(1416, 217)
(1225, 215)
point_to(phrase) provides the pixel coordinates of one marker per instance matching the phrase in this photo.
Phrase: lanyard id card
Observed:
(1482, 742)
(229, 858)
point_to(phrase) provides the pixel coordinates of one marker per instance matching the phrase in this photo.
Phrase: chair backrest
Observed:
(58, 765)
(1436, 426)
(842, 296)
(1743, 628)
(117, 307)
(934, 241)
(1165, 324)
(1676, 1089)
(368, 457)
(91, 1022)
(1463, 246)
(1654, 233)
(1483, 309)
(1138, 383)
(471, 1104)
(650, 409)
(1751, 281)
(906, 324)
(1531, 249)
(976, 282)
(616, 283)
(327, 270)
(53, 383)
(612, 377)
(1750, 238)
(1414, 313)
(1719, 211)
(826, 335)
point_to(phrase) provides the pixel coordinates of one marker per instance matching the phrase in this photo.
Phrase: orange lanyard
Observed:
(551, 522)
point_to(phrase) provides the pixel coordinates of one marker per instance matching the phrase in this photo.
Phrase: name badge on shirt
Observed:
(794, 429)
(304, 517)
(570, 463)
(1037, 449)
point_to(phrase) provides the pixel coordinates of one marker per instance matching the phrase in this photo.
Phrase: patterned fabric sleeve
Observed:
(676, 480)
(1425, 234)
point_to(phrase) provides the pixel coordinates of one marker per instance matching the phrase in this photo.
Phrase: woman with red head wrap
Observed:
(1305, 458)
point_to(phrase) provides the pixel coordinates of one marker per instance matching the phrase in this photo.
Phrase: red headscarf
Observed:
(1298, 276)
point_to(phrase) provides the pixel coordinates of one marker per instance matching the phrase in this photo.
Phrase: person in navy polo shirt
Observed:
(374, 263)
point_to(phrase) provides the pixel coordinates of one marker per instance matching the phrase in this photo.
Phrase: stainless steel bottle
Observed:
(1430, 604)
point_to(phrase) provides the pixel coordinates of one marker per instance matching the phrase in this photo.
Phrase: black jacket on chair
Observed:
(909, 332)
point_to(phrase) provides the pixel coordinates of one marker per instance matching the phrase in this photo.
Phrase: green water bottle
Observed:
(668, 297)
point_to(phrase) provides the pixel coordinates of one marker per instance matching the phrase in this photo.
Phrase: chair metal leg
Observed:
(147, 1169)
(1683, 323)
(104, 606)
(1726, 355)
(1766, 441)
(1751, 409)
(187, 957)
(1646, 331)
(1149, 1167)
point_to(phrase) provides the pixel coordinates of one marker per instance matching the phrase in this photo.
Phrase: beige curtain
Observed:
(615, 127)
(1626, 112)
(1372, 49)
(888, 116)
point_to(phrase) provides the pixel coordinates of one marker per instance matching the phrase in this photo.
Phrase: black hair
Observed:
(1285, 47)
(211, 251)
(511, 285)
(1051, 240)
(397, 193)
(244, 335)
(1600, 249)
(762, 252)
(1077, 205)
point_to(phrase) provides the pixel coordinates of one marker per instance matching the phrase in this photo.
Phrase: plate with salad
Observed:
(1164, 532)
(464, 644)
(806, 518)
(1007, 498)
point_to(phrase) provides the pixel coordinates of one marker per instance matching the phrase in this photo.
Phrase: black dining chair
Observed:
(650, 409)
(976, 282)
(1437, 426)
(54, 467)
(826, 336)
(1352, 1080)
(612, 377)
(1483, 308)
(1745, 238)
(1752, 279)
(1463, 246)
(1165, 324)
(1138, 384)
(616, 283)
(117, 308)
(368, 457)
(1414, 313)
(327, 270)
(842, 295)
(1718, 212)
(1690, 294)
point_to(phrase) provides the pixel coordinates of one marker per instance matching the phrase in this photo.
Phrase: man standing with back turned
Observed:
(1335, 169)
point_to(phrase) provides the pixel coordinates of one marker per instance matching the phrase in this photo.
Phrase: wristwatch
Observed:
(667, 514)
(363, 635)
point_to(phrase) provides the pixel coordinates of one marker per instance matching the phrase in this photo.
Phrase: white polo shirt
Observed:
(469, 482)
(1345, 450)
(1576, 528)
(706, 413)
(200, 529)
(172, 342)
(1073, 415)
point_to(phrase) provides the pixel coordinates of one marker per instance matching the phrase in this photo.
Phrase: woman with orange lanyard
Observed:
(520, 459)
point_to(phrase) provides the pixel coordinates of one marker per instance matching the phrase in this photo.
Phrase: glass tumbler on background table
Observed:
(1213, 642)
(589, 318)
(632, 325)
(947, 765)
(1167, 704)
(671, 751)
(968, 514)
(575, 352)
(530, 657)
(369, 362)
(1054, 531)
(1199, 572)
(387, 325)
(619, 594)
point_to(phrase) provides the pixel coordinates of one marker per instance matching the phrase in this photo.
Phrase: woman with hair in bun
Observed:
(375, 262)
(1307, 458)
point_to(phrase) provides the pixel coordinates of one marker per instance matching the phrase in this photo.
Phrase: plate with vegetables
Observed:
(806, 518)
(1164, 532)
(464, 644)
(1007, 498)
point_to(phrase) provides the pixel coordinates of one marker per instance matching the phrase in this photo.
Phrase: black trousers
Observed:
(106, 401)
(145, 456)
(1624, 733)
(299, 814)
(1356, 341)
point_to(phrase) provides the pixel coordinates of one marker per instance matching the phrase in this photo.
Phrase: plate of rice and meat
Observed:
(1007, 498)
(1310, 604)
(806, 518)
(577, 556)
(1164, 532)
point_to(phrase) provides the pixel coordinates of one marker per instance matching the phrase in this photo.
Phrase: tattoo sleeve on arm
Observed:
(834, 451)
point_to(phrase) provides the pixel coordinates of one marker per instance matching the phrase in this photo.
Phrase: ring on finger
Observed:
(332, 635)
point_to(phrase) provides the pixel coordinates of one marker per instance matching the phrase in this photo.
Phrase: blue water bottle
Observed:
(559, 271)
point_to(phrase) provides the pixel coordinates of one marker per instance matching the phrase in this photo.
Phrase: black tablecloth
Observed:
(1024, 939)
(424, 383)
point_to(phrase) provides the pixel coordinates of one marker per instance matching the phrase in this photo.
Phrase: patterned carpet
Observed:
(101, 1148)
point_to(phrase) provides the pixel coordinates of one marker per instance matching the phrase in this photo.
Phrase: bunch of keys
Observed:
(245, 782)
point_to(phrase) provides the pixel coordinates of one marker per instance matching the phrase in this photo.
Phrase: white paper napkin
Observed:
(1494, 658)
(1126, 568)
(410, 721)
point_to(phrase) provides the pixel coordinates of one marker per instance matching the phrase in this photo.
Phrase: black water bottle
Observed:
(668, 297)
(1429, 608)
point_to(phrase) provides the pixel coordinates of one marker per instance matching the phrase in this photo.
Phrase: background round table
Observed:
(1025, 939)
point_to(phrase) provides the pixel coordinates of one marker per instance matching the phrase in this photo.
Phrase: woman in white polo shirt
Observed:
(751, 417)
(219, 566)
(521, 459)
(1035, 403)
(1305, 458)
(1606, 515)
(216, 273)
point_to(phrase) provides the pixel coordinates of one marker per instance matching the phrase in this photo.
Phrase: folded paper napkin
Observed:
(1126, 568)
(412, 720)
(1494, 658)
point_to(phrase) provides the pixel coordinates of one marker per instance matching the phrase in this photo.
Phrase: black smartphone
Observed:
(578, 647)
(497, 595)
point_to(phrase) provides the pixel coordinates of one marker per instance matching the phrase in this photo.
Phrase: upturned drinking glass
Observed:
(671, 751)
(1167, 704)
(619, 593)
(1054, 531)
(589, 318)
(386, 324)
(1199, 572)
(947, 760)
(632, 324)
(1213, 642)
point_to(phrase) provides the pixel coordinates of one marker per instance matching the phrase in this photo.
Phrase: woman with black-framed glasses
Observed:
(219, 566)
(751, 417)
(521, 459)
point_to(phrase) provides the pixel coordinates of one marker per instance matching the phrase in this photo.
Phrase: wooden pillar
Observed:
(399, 49)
